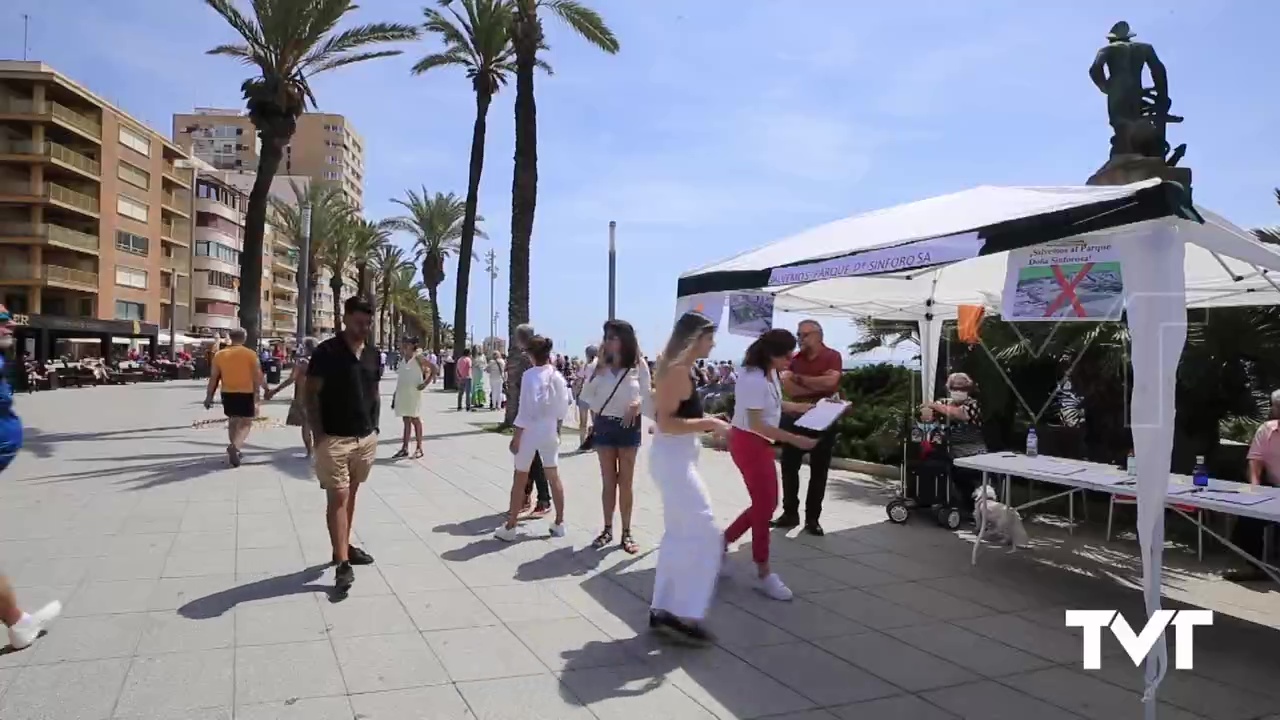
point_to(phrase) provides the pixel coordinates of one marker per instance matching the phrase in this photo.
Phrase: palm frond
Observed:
(586, 22)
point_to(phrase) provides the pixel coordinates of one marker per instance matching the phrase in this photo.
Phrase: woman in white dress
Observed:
(692, 545)
(411, 380)
(497, 371)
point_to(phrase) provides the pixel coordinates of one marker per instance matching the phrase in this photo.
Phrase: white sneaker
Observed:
(507, 534)
(773, 587)
(557, 530)
(26, 630)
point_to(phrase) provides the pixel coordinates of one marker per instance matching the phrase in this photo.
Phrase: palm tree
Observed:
(527, 40)
(476, 41)
(411, 306)
(875, 334)
(435, 222)
(388, 261)
(329, 210)
(289, 42)
(347, 250)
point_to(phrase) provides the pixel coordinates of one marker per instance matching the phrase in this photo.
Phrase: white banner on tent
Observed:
(924, 253)
(750, 314)
(1064, 282)
(709, 304)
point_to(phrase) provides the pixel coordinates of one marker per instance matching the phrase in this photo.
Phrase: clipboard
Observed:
(823, 415)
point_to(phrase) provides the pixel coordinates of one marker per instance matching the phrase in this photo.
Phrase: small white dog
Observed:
(1003, 522)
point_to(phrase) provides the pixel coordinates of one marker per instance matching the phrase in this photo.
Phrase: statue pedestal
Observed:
(1125, 169)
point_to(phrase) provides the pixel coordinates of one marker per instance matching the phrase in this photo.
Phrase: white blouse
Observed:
(756, 391)
(544, 400)
(633, 384)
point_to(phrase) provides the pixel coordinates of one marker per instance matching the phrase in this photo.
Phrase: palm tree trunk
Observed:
(524, 182)
(432, 293)
(312, 281)
(383, 330)
(255, 226)
(466, 246)
(335, 284)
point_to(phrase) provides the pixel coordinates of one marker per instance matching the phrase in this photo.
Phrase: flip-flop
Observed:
(417, 453)
(400, 454)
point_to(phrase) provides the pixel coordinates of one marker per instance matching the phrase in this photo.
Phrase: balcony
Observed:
(54, 112)
(53, 193)
(287, 262)
(58, 276)
(285, 306)
(178, 203)
(54, 235)
(176, 263)
(59, 154)
(175, 232)
(171, 173)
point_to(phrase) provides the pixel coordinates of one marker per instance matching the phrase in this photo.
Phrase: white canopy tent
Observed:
(924, 260)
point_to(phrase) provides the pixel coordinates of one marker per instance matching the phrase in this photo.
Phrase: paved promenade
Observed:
(194, 591)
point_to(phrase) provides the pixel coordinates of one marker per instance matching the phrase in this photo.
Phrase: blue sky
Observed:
(727, 124)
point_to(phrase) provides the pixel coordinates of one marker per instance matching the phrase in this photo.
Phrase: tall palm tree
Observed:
(346, 251)
(289, 42)
(388, 262)
(527, 39)
(435, 222)
(329, 211)
(476, 41)
(411, 306)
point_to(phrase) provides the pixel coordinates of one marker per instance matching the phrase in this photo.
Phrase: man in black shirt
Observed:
(343, 408)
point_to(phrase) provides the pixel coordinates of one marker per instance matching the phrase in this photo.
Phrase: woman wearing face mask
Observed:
(617, 392)
(757, 413)
(691, 549)
(962, 416)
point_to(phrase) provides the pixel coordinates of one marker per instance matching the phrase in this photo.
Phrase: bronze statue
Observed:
(1138, 116)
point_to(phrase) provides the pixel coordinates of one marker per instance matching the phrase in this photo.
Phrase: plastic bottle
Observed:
(1033, 443)
(1200, 475)
(1131, 464)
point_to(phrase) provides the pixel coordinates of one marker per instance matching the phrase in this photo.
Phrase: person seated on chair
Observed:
(1264, 469)
(960, 417)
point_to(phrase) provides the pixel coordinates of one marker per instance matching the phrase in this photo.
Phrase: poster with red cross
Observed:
(1066, 281)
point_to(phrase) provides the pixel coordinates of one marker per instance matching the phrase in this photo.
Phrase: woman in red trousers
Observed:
(757, 411)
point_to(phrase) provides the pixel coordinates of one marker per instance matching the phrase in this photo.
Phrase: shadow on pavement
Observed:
(42, 444)
(219, 603)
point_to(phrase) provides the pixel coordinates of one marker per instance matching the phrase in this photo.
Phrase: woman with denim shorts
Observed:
(618, 391)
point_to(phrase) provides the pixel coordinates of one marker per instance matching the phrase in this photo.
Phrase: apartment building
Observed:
(280, 260)
(95, 213)
(325, 147)
(218, 239)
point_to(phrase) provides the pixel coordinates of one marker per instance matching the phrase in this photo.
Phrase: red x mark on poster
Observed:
(1068, 293)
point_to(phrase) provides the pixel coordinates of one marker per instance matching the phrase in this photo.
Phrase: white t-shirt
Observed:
(632, 384)
(544, 400)
(756, 391)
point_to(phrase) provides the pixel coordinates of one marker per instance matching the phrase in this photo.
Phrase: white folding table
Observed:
(1254, 501)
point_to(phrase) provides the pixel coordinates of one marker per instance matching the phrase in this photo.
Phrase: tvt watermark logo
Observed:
(1138, 645)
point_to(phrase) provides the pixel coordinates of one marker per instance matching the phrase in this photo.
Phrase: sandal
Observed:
(604, 538)
(401, 453)
(417, 453)
(629, 543)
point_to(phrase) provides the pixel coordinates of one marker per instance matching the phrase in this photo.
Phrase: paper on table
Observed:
(1053, 467)
(1234, 498)
(823, 414)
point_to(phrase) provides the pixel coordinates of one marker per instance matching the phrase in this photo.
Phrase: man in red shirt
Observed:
(814, 375)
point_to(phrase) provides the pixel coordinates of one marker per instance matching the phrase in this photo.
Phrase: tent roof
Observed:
(1225, 265)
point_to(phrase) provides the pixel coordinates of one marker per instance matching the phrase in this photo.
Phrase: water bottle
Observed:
(1200, 475)
(1131, 464)
(1033, 444)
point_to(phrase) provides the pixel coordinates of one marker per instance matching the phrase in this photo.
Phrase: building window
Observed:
(330, 175)
(218, 251)
(134, 175)
(224, 309)
(131, 208)
(133, 244)
(219, 194)
(333, 160)
(131, 277)
(223, 280)
(135, 141)
(221, 224)
(130, 310)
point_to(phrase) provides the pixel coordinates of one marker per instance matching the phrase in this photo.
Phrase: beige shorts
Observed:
(345, 461)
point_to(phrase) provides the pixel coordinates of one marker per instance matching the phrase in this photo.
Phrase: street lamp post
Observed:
(303, 275)
(613, 268)
(491, 258)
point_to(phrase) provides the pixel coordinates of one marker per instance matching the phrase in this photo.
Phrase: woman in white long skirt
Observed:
(692, 546)
(411, 380)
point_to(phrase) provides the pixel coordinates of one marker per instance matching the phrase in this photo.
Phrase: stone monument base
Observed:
(1125, 169)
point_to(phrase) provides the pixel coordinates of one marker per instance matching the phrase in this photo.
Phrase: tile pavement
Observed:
(198, 592)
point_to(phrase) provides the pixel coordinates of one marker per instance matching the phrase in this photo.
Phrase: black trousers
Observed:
(1249, 533)
(819, 468)
(538, 479)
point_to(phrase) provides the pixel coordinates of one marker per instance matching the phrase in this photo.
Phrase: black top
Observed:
(349, 402)
(690, 408)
